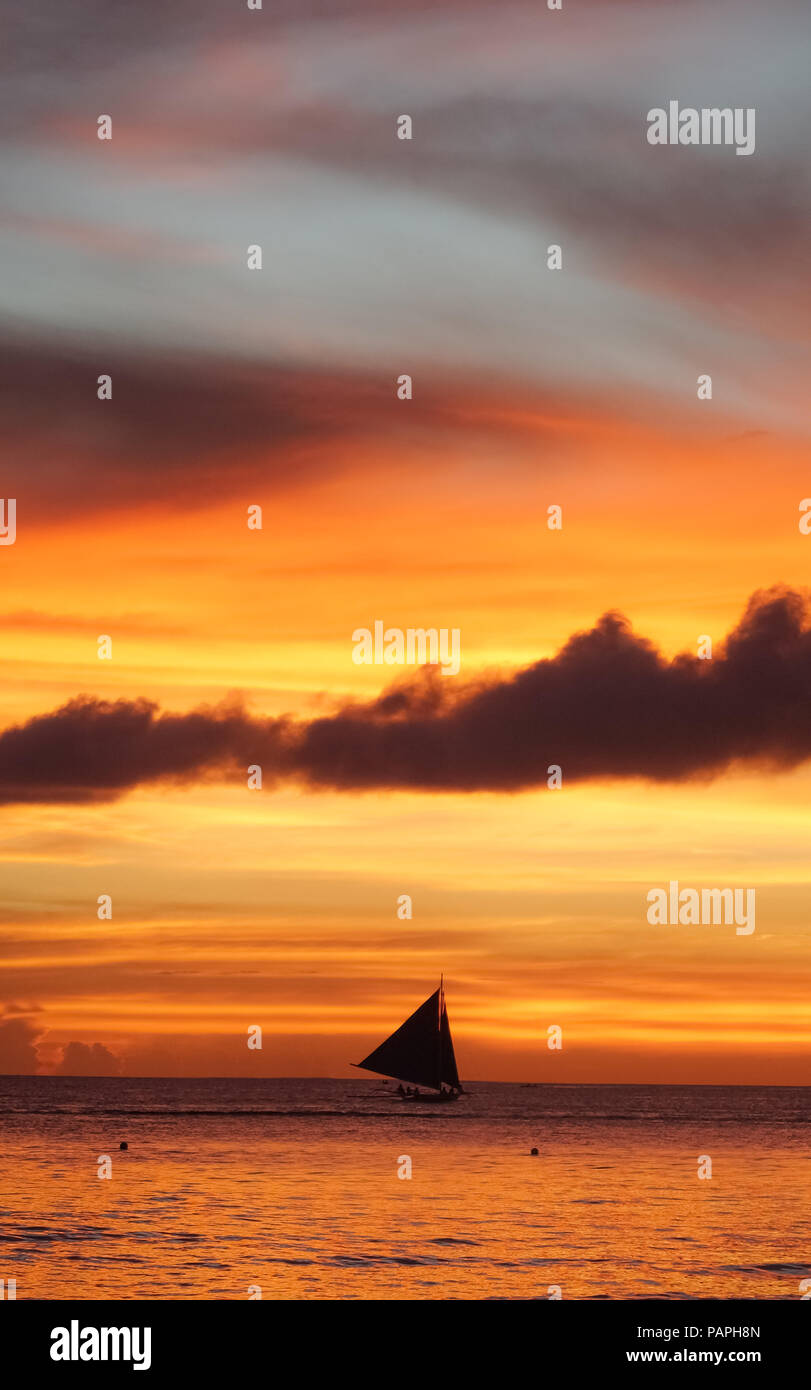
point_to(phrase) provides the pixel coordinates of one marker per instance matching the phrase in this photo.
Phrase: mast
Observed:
(441, 1003)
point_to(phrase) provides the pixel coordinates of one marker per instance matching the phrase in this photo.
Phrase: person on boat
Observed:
(416, 1090)
(400, 1090)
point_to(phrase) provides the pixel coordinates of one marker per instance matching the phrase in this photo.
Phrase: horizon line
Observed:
(740, 1085)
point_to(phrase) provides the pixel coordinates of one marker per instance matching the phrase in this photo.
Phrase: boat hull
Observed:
(431, 1100)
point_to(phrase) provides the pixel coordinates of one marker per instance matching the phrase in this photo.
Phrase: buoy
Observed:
(123, 1146)
(533, 1153)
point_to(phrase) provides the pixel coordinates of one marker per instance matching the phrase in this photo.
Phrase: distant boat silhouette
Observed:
(420, 1052)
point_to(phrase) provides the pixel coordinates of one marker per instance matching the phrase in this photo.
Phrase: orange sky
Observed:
(578, 388)
(234, 907)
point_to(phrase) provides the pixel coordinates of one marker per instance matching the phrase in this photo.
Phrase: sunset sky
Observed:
(532, 387)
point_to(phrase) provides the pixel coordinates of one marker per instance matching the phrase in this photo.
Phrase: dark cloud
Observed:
(609, 705)
(182, 429)
(186, 430)
(18, 1053)
(60, 47)
(93, 749)
(83, 1059)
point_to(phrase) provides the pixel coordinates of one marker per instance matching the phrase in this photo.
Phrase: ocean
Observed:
(292, 1187)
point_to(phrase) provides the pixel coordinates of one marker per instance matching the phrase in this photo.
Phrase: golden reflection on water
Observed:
(203, 1207)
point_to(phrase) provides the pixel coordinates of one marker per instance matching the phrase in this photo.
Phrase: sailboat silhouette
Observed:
(421, 1052)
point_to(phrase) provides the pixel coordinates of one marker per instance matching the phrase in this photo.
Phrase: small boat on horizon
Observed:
(420, 1052)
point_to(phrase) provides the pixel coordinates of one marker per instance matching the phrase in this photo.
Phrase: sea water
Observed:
(292, 1188)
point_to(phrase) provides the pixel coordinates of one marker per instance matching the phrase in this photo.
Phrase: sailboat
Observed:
(421, 1052)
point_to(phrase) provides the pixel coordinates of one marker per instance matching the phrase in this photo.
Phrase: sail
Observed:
(447, 1066)
(420, 1051)
(412, 1052)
